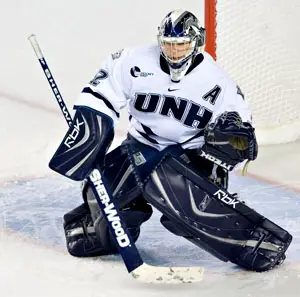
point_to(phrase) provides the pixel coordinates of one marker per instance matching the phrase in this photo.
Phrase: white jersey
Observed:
(162, 112)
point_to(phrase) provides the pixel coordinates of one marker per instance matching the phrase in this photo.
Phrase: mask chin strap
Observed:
(178, 73)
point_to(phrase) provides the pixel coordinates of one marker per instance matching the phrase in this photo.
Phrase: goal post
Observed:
(210, 26)
(258, 44)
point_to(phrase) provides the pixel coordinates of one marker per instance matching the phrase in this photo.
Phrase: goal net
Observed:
(258, 44)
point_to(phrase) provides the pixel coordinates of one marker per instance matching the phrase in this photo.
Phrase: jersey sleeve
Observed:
(233, 100)
(107, 92)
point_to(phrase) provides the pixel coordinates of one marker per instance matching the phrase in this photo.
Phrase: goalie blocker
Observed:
(211, 218)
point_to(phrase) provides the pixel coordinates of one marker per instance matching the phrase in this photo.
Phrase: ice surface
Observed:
(34, 261)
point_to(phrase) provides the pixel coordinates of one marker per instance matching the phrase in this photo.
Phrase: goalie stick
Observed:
(127, 248)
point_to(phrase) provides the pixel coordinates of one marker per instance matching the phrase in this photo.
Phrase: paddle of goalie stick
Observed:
(127, 248)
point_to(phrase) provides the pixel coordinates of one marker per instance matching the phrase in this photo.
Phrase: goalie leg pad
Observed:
(133, 215)
(88, 238)
(118, 175)
(213, 219)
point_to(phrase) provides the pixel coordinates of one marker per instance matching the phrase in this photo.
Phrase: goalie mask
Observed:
(180, 38)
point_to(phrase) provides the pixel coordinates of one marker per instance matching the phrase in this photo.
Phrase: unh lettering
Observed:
(187, 112)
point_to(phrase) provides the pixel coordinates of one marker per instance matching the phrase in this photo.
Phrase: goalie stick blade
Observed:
(167, 275)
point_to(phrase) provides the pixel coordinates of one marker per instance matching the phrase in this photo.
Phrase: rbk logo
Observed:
(70, 140)
(223, 196)
(172, 90)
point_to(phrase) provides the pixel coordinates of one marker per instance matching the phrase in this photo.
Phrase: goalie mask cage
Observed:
(257, 43)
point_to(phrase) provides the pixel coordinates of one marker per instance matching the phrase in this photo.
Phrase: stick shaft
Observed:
(32, 39)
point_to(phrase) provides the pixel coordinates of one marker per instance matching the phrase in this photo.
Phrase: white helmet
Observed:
(180, 38)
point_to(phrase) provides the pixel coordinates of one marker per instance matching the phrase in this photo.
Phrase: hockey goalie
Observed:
(189, 127)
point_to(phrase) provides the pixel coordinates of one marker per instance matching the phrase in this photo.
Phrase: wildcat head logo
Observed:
(136, 72)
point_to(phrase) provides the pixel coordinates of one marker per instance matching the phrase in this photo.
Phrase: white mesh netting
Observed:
(258, 44)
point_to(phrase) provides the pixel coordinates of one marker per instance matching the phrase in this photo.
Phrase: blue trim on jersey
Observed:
(148, 130)
(88, 90)
(103, 115)
(146, 136)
